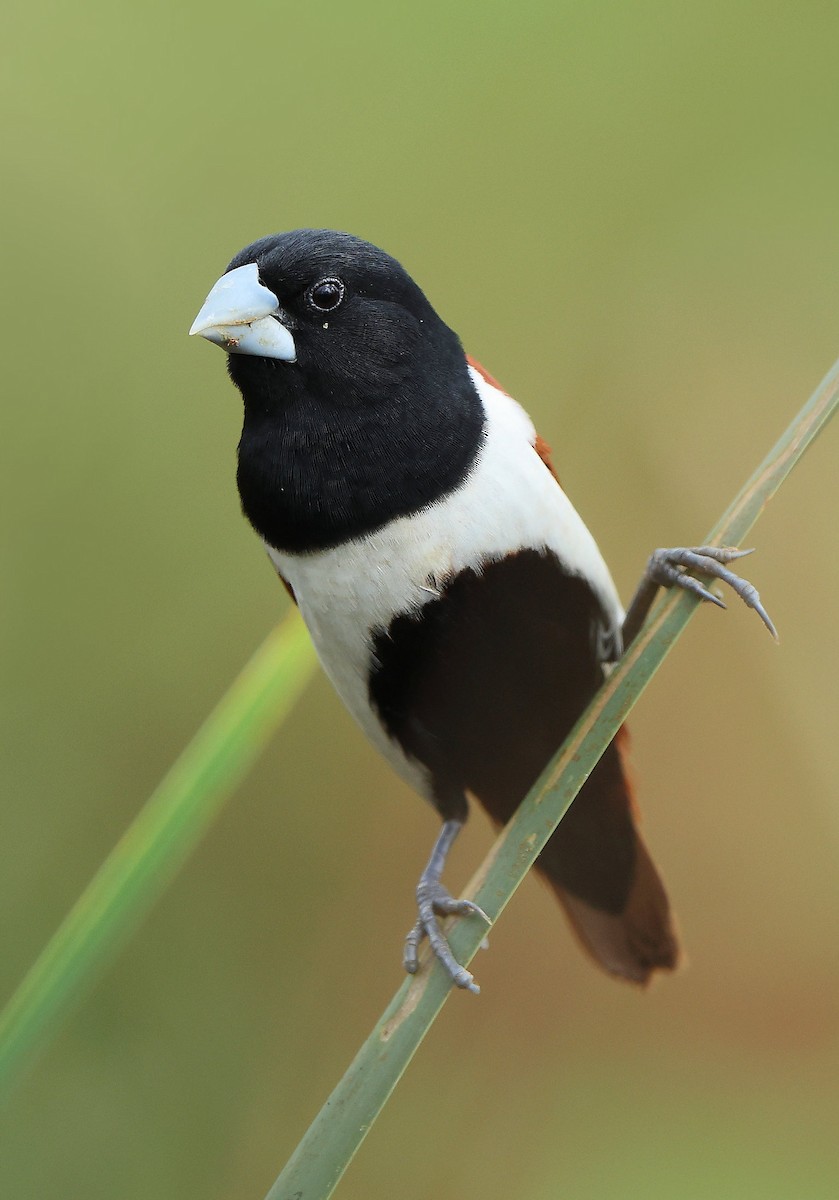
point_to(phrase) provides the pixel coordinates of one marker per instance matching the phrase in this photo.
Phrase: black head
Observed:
(358, 402)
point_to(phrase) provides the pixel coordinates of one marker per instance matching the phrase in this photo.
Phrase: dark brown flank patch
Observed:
(481, 686)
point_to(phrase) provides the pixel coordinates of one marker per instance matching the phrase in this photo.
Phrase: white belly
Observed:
(509, 502)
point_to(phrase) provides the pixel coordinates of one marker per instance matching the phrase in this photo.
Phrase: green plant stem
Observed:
(157, 843)
(342, 1124)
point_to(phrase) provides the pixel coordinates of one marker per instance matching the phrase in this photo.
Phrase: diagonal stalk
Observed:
(157, 843)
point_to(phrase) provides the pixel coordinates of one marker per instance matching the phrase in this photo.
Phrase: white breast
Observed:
(509, 502)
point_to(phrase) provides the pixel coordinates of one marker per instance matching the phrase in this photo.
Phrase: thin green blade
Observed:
(157, 843)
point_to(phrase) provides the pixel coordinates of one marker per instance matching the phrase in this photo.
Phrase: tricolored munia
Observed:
(456, 600)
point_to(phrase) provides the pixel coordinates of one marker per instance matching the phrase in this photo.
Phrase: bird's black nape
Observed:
(376, 419)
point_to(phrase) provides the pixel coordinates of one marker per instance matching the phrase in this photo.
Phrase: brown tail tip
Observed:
(636, 942)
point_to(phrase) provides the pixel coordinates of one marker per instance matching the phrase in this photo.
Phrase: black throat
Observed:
(326, 458)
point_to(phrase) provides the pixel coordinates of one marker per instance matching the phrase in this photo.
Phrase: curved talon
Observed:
(410, 959)
(669, 576)
(722, 554)
(669, 567)
(428, 926)
(444, 904)
(432, 901)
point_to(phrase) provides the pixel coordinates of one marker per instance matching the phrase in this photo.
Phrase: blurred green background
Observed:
(629, 214)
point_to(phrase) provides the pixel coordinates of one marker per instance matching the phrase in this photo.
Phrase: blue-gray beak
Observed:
(243, 317)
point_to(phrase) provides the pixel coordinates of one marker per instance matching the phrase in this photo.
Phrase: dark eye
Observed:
(326, 295)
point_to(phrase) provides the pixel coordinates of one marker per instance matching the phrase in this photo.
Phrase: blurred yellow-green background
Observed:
(629, 213)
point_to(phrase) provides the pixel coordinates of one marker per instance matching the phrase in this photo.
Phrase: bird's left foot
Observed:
(434, 901)
(669, 568)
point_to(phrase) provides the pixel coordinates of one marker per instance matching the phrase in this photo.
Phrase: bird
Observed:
(456, 600)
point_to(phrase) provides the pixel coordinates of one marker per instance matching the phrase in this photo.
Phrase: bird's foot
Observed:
(669, 568)
(434, 901)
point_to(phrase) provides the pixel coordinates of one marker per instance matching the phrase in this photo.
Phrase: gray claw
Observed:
(428, 926)
(432, 901)
(669, 568)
